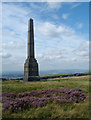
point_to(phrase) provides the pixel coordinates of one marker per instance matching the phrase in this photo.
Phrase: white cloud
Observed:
(79, 25)
(65, 16)
(11, 45)
(56, 60)
(54, 5)
(51, 30)
(63, 40)
(75, 5)
(55, 16)
(82, 52)
(6, 55)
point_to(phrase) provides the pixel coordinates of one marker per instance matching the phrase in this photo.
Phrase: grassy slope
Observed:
(87, 73)
(53, 110)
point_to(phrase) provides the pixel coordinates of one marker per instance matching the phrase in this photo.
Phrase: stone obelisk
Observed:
(31, 65)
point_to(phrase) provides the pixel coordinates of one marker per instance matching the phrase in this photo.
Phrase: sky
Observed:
(61, 34)
(45, 0)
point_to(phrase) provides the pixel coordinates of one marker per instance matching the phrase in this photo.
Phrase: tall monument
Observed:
(31, 65)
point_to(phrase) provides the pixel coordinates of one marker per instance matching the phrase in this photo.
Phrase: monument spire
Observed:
(31, 65)
(30, 39)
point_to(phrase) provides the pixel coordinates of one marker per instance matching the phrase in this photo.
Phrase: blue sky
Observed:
(61, 34)
(45, 0)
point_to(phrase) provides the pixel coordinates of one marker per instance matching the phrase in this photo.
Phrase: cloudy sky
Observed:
(61, 34)
(45, 0)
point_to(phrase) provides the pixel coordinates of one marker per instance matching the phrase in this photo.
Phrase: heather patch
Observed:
(21, 101)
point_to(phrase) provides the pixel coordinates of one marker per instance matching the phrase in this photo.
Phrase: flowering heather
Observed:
(10, 95)
(40, 102)
(32, 93)
(26, 100)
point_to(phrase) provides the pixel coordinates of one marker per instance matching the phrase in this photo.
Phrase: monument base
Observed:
(31, 67)
(31, 78)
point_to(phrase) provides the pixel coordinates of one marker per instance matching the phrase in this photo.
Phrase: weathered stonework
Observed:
(31, 66)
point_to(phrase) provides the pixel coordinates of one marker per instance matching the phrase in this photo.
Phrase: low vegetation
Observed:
(52, 98)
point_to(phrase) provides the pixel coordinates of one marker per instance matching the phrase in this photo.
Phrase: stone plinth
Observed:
(31, 67)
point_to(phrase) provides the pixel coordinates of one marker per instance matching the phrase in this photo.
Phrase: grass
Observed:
(70, 82)
(53, 110)
(87, 73)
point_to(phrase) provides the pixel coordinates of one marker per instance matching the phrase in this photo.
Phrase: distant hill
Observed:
(17, 74)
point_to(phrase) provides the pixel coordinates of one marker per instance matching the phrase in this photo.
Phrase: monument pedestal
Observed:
(31, 78)
(30, 69)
